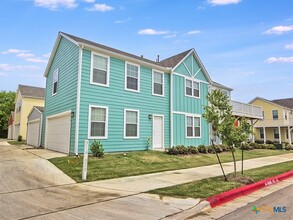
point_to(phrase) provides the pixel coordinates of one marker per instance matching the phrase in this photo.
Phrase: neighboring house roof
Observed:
(273, 102)
(284, 102)
(174, 60)
(31, 91)
(221, 86)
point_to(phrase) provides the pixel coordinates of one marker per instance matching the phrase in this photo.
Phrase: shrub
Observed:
(269, 142)
(289, 147)
(172, 151)
(192, 150)
(19, 138)
(259, 141)
(97, 149)
(224, 147)
(271, 147)
(202, 149)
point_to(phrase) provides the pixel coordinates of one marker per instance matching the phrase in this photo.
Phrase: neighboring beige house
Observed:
(277, 124)
(26, 98)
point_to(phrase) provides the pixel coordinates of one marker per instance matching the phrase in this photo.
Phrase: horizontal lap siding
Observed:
(189, 105)
(66, 60)
(116, 99)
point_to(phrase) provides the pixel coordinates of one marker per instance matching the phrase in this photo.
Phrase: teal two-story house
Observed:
(127, 102)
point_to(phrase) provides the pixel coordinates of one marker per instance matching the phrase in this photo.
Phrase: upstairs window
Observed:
(100, 70)
(192, 126)
(158, 83)
(55, 81)
(275, 114)
(192, 88)
(132, 76)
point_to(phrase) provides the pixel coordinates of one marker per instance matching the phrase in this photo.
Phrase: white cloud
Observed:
(36, 60)
(150, 31)
(223, 2)
(280, 60)
(8, 67)
(289, 46)
(89, 1)
(122, 21)
(279, 30)
(15, 51)
(170, 36)
(3, 75)
(47, 55)
(193, 32)
(25, 55)
(100, 7)
(55, 4)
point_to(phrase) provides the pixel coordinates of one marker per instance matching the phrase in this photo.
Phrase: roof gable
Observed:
(284, 102)
(268, 101)
(31, 92)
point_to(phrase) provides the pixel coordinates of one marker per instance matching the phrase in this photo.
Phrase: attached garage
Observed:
(34, 126)
(58, 132)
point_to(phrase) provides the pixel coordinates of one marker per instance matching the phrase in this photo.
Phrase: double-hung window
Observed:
(132, 76)
(192, 88)
(98, 122)
(158, 83)
(276, 133)
(55, 82)
(100, 70)
(131, 123)
(192, 126)
(275, 114)
(261, 133)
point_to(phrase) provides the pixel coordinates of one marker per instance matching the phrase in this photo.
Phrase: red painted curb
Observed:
(245, 190)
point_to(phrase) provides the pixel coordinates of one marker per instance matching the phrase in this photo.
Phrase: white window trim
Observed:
(55, 71)
(273, 114)
(138, 77)
(89, 122)
(92, 72)
(200, 121)
(192, 87)
(153, 82)
(138, 119)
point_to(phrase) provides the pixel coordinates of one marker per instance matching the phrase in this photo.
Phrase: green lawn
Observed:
(16, 142)
(212, 186)
(143, 162)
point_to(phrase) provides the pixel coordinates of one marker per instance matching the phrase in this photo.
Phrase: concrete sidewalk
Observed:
(144, 183)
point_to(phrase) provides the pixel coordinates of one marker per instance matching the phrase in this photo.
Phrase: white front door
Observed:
(158, 132)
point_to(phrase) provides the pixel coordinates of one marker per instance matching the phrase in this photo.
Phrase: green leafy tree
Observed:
(6, 106)
(219, 114)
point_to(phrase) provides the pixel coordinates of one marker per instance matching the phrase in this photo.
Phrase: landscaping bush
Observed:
(192, 150)
(224, 147)
(278, 146)
(259, 141)
(289, 147)
(269, 142)
(97, 149)
(182, 150)
(202, 149)
(271, 147)
(19, 138)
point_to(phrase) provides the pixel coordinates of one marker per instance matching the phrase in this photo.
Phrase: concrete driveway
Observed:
(33, 188)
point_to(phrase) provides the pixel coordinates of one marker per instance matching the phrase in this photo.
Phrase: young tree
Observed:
(219, 114)
(6, 106)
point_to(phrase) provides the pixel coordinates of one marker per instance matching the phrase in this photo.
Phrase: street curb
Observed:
(245, 190)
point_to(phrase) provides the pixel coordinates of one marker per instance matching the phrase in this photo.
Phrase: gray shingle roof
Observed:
(32, 91)
(284, 102)
(174, 60)
(84, 41)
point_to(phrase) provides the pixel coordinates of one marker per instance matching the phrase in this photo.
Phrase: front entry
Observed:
(158, 132)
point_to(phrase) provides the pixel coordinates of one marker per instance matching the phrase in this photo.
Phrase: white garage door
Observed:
(33, 133)
(58, 133)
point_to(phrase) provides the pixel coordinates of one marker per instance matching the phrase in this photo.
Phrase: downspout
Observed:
(171, 108)
(78, 99)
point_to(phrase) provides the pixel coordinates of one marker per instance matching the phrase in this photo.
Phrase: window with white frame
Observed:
(275, 114)
(276, 133)
(261, 133)
(131, 123)
(100, 71)
(158, 83)
(132, 77)
(98, 124)
(192, 88)
(192, 126)
(55, 81)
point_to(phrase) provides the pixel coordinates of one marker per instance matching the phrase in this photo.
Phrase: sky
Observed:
(246, 45)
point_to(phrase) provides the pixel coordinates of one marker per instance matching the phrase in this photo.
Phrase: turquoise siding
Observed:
(188, 105)
(116, 98)
(66, 60)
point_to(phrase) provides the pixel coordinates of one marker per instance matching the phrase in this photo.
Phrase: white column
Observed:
(280, 135)
(264, 135)
(289, 135)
